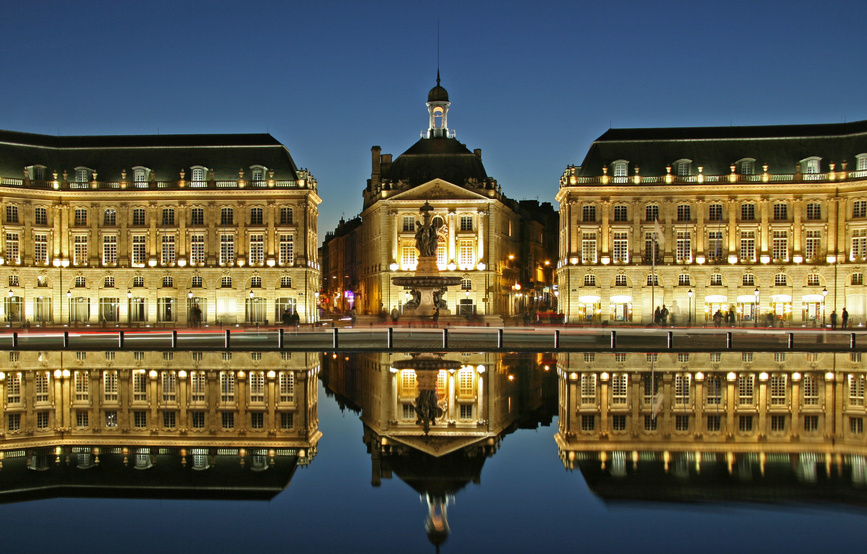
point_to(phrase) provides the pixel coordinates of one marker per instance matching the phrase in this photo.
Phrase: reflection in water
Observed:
(156, 424)
(433, 419)
(716, 427)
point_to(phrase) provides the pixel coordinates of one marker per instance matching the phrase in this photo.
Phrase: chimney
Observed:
(478, 152)
(375, 174)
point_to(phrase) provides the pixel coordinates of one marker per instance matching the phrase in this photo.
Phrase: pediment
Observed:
(438, 190)
(437, 446)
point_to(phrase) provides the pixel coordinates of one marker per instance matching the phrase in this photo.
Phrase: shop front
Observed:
(589, 309)
(747, 310)
(812, 310)
(620, 308)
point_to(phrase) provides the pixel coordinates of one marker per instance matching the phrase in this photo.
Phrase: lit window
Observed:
(813, 244)
(781, 245)
(748, 280)
(716, 280)
(653, 280)
(621, 247)
(780, 280)
(748, 246)
(620, 281)
(588, 247)
(857, 278)
(813, 280)
(683, 280)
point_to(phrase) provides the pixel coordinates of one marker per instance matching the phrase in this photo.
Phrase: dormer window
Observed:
(140, 177)
(36, 172)
(811, 166)
(198, 176)
(746, 166)
(861, 162)
(257, 175)
(620, 169)
(82, 177)
(682, 168)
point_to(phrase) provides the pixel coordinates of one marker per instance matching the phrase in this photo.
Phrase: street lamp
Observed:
(9, 306)
(689, 294)
(129, 307)
(756, 315)
(69, 305)
(824, 296)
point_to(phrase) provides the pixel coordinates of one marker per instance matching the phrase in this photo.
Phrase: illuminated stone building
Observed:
(716, 426)
(479, 227)
(155, 230)
(195, 420)
(767, 220)
(478, 400)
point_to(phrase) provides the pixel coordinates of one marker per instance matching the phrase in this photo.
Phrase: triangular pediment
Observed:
(437, 446)
(438, 190)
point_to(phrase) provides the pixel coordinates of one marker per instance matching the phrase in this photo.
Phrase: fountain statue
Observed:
(427, 286)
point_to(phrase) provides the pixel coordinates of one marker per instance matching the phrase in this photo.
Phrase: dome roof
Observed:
(438, 93)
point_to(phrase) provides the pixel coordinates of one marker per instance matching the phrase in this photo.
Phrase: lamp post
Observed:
(824, 297)
(129, 307)
(756, 314)
(69, 305)
(689, 294)
(9, 307)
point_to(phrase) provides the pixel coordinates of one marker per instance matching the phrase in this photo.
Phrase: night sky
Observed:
(530, 84)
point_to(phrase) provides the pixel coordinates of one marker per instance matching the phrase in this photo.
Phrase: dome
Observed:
(438, 93)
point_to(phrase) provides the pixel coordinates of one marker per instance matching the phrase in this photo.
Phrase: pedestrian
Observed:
(353, 315)
(833, 320)
(845, 319)
(394, 314)
(717, 318)
(657, 316)
(663, 315)
(286, 318)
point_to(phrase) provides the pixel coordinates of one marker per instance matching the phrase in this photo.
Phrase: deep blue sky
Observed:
(530, 84)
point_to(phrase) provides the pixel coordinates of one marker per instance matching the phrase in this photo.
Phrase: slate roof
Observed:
(431, 158)
(166, 155)
(716, 148)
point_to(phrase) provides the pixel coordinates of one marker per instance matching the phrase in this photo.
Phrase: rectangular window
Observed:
(859, 208)
(13, 251)
(287, 386)
(713, 423)
(716, 280)
(256, 217)
(197, 386)
(859, 244)
(227, 249)
(683, 212)
(111, 419)
(745, 423)
(109, 385)
(652, 280)
(286, 217)
(42, 387)
(42, 420)
(684, 246)
(81, 382)
(811, 390)
(139, 386)
(80, 216)
(813, 244)
(856, 390)
(140, 419)
(778, 423)
(139, 250)
(683, 280)
(682, 389)
(778, 390)
(197, 216)
(168, 216)
(714, 245)
(287, 421)
(40, 216)
(257, 420)
(466, 223)
(651, 212)
(588, 422)
(781, 212)
(715, 212)
(168, 250)
(588, 213)
(811, 423)
(588, 248)
(197, 249)
(748, 246)
(287, 250)
(746, 385)
(621, 247)
(651, 247)
(170, 386)
(814, 211)
(227, 216)
(79, 256)
(257, 386)
(227, 387)
(649, 423)
(408, 224)
(620, 213)
(109, 217)
(588, 388)
(619, 388)
(82, 419)
(856, 425)
(257, 249)
(40, 249)
(227, 420)
(618, 422)
(781, 245)
(109, 250)
(681, 422)
(198, 420)
(169, 420)
(138, 216)
(748, 212)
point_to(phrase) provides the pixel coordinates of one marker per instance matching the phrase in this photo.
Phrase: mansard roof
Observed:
(166, 155)
(716, 148)
(432, 158)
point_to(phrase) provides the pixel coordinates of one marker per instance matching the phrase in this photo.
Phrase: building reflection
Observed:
(432, 420)
(777, 427)
(156, 424)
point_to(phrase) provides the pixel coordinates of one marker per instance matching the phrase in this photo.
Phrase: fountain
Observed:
(427, 286)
